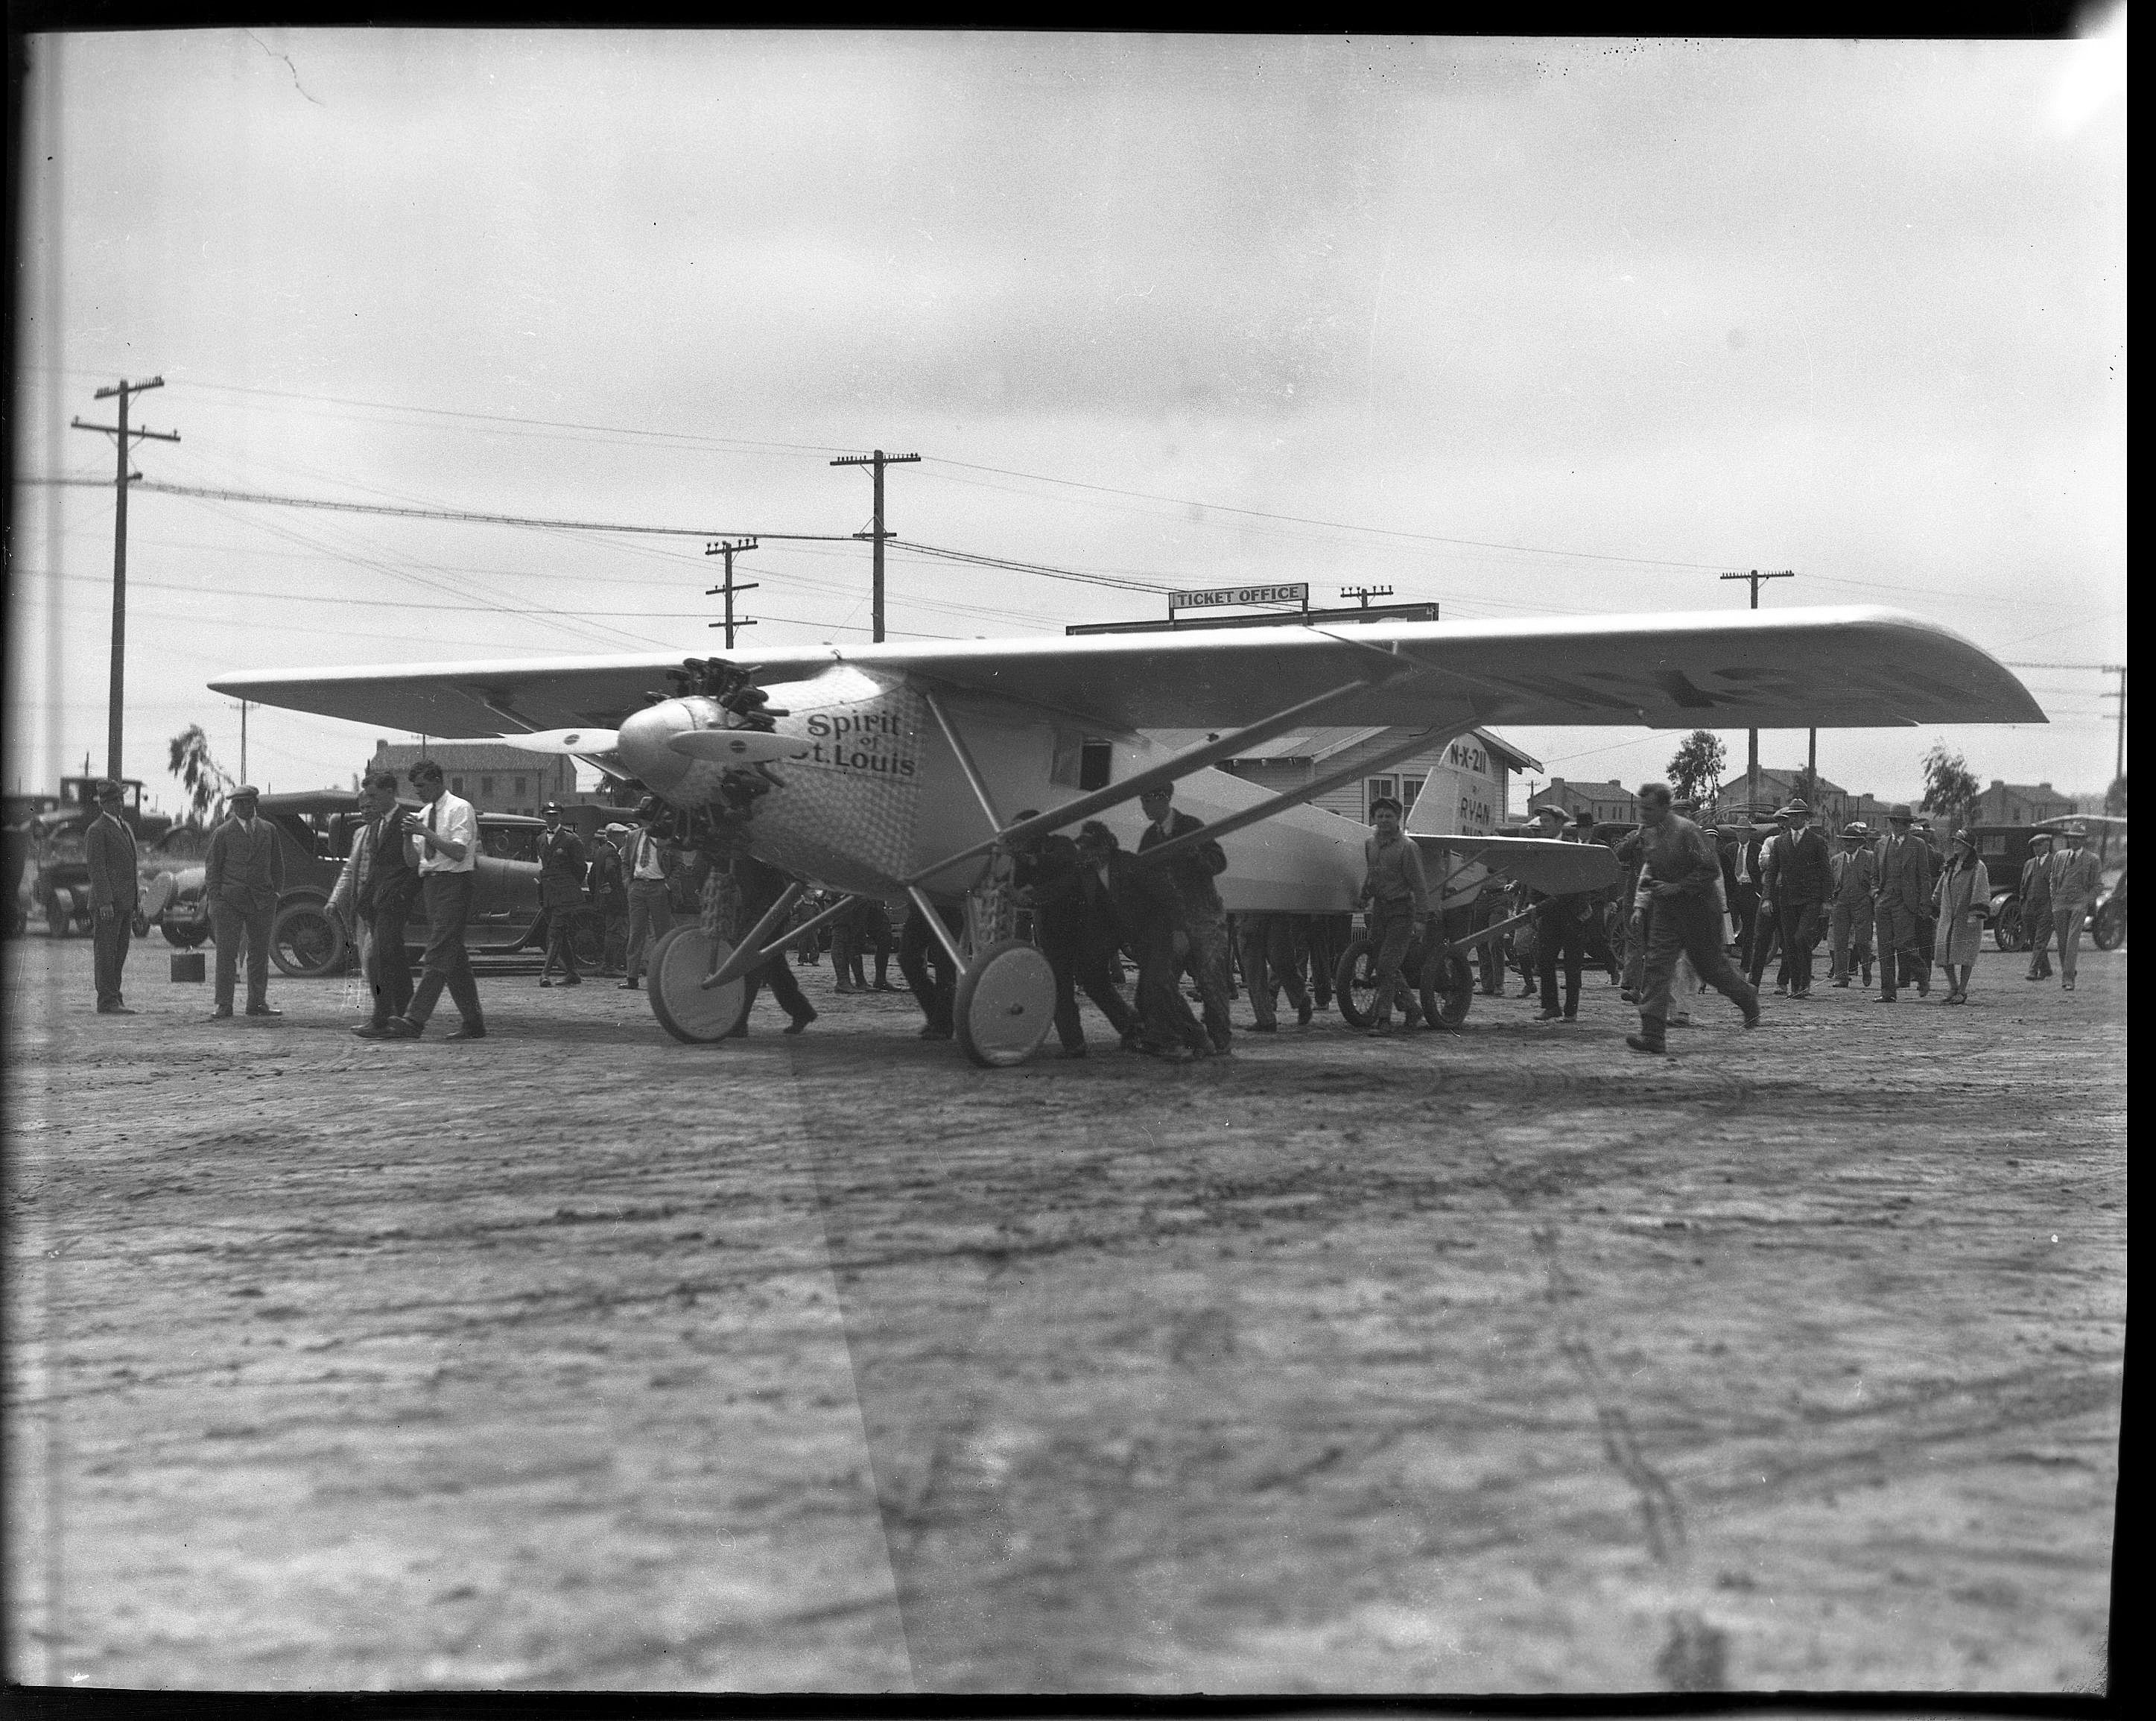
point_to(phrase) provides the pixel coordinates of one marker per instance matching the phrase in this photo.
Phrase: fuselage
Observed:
(878, 794)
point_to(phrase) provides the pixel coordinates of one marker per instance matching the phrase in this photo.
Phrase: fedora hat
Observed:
(1900, 814)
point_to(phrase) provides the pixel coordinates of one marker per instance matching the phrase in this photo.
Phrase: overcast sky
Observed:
(1524, 328)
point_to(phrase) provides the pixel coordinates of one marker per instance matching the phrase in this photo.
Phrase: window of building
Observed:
(1375, 788)
(1096, 761)
(486, 788)
(456, 785)
(1410, 790)
(520, 788)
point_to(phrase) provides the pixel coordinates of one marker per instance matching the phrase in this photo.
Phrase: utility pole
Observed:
(243, 739)
(2118, 766)
(728, 551)
(121, 435)
(1366, 592)
(875, 533)
(1752, 752)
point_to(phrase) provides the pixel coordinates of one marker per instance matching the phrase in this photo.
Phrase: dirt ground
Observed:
(1503, 1361)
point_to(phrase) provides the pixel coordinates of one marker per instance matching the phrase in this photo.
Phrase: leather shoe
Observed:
(469, 1031)
(1264, 1027)
(1072, 1052)
(114, 1009)
(935, 1030)
(372, 1031)
(1302, 1016)
(401, 1028)
(799, 1022)
(572, 980)
(1551, 1015)
(544, 982)
(628, 986)
(220, 1015)
(263, 1010)
(1640, 1042)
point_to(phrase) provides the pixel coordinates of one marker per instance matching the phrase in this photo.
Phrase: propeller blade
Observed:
(737, 746)
(575, 741)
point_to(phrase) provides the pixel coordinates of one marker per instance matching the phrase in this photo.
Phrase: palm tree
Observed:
(206, 782)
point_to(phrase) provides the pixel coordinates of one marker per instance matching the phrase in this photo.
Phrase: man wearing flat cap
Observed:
(1905, 897)
(2075, 879)
(2036, 905)
(242, 875)
(1851, 912)
(114, 890)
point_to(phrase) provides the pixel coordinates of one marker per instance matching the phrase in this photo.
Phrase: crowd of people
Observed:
(1698, 908)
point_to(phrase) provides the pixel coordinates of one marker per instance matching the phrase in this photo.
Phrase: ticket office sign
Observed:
(1236, 597)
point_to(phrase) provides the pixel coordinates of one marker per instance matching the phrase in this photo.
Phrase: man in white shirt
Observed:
(445, 845)
(646, 863)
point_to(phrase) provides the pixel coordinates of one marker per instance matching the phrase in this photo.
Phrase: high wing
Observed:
(1825, 668)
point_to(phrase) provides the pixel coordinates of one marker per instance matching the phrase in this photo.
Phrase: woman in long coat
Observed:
(1962, 896)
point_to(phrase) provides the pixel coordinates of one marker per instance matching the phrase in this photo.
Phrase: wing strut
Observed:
(752, 951)
(1227, 747)
(1294, 797)
(965, 757)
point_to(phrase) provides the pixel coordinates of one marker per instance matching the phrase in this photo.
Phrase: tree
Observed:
(1948, 787)
(1695, 773)
(2114, 798)
(206, 782)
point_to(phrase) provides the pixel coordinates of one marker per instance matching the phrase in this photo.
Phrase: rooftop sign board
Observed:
(1233, 597)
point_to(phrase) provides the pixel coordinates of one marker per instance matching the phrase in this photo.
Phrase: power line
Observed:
(464, 516)
(1042, 568)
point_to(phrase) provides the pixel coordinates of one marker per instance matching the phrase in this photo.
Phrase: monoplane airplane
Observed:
(889, 770)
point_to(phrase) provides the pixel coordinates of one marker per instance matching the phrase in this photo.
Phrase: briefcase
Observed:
(188, 965)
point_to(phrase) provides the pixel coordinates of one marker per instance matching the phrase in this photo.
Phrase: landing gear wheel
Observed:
(1448, 990)
(675, 978)
(1355, 984)
(2006, 928)
(305, 942)
(1005, 1005)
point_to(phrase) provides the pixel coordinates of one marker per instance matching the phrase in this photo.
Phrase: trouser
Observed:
(878, 939)
(775, 973)
(560, 941)
(2036, 922)
(388, 967)
(2068, 920)
(232, 927)
(1690, 927)
(1076, 967)
(927, 965)
(1801, 933)
(846, 956)
(1392, 929)
(1267, 944)
(650, 918)
(1766, 942)
(1902, 961)
(1849, 933)
(1207, 961)
(1165, 1019)
(1559, 934)
(449, 904)
(112, 928)
(1324, 938)
(614, 935)
(1636, 952)
(1595, 940)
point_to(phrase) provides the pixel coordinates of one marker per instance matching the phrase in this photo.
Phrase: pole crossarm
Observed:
(1169, 771)
(131, 434)
(1296, 797)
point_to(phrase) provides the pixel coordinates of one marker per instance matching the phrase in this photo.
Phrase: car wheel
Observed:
(305, 941)
(2006, 928)
(2108, 931)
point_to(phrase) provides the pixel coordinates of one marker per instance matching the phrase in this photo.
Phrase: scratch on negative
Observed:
(287, 59)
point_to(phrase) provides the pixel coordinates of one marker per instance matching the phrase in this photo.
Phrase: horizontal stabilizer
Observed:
(737, 746)
(1546, 864)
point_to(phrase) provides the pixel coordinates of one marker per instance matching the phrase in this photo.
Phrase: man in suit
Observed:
(560, 896)
(376, 891)
(1560, 928)
(609, 892)
(1139, 907)
(648, 865)
(1905, 897)
(1204, 920)
(444, 847)
(1799, 878)
(1852, 907)
(2036, 905)
(2075, 879)
(242, 875)
(115, 890)
(1078, 932)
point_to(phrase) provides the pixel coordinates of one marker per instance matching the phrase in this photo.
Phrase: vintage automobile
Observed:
(316, 828)
(2108, 919)
(2004, 848)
